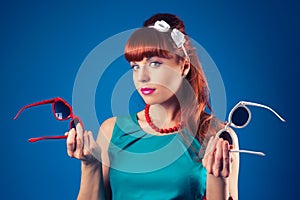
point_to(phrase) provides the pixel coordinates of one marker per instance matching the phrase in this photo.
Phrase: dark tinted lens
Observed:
(240, 116)
(62, 111)
(226, 136)
(72, 124)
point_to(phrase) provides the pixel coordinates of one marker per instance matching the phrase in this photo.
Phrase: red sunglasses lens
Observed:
(62, 111)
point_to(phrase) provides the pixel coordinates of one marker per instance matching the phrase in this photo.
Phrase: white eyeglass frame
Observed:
(244, 104)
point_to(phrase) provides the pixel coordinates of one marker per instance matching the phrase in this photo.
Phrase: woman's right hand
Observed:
(81, 145)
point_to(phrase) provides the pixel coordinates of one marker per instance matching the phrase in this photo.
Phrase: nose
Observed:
(143, 74)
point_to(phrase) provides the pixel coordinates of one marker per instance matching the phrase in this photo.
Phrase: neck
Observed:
(165, 115)
(162, 128)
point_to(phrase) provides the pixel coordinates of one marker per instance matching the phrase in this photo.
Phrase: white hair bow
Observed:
(176, 35)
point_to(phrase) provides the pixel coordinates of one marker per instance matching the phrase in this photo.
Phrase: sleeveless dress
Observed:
(145, 166)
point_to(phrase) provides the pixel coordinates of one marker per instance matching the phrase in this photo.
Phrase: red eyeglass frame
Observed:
(52, 101)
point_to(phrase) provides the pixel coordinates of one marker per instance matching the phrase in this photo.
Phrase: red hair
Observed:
(148, 42)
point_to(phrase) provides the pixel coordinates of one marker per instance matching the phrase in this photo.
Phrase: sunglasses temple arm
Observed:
(48, 138)
(262, 106)
(32, 105)
(248, 151)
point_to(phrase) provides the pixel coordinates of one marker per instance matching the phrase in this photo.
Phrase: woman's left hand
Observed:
(217, 158)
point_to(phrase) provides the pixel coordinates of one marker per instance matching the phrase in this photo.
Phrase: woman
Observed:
(168, 150)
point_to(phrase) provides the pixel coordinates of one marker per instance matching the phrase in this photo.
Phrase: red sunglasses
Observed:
(61, 110)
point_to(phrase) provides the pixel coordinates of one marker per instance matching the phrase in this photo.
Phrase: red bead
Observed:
(230, 198)
(167, 130)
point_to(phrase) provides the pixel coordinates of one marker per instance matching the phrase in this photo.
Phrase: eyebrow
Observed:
(147, 59)
(140, 60)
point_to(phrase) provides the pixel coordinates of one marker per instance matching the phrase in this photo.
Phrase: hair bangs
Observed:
(146, 43)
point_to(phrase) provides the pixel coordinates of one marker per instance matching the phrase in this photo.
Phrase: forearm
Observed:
(217, 188)
(91, 185)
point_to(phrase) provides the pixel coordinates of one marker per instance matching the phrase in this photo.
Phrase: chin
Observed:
(150, 102)
(153, 101)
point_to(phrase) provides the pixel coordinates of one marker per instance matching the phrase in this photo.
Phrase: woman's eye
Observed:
(134, 67)
(155, 64)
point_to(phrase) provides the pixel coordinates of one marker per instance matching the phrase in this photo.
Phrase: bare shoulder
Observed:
(108, 125)
(106, 129)
(215, 125)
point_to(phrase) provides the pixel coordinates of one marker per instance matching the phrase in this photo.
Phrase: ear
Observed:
(186, 67)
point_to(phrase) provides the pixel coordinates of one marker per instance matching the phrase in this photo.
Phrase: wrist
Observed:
(91, 165)
(217, 187)
(218, 178)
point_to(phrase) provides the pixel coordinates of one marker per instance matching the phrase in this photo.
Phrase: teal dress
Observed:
(144, 166)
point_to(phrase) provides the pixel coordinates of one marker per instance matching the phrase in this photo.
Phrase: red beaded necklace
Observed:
(160, 130)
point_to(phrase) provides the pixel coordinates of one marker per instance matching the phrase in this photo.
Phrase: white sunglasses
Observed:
(239, 117)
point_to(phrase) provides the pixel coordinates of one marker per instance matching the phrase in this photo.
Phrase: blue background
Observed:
(255, 45)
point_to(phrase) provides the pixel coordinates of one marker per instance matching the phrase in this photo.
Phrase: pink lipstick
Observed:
(147, 91)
